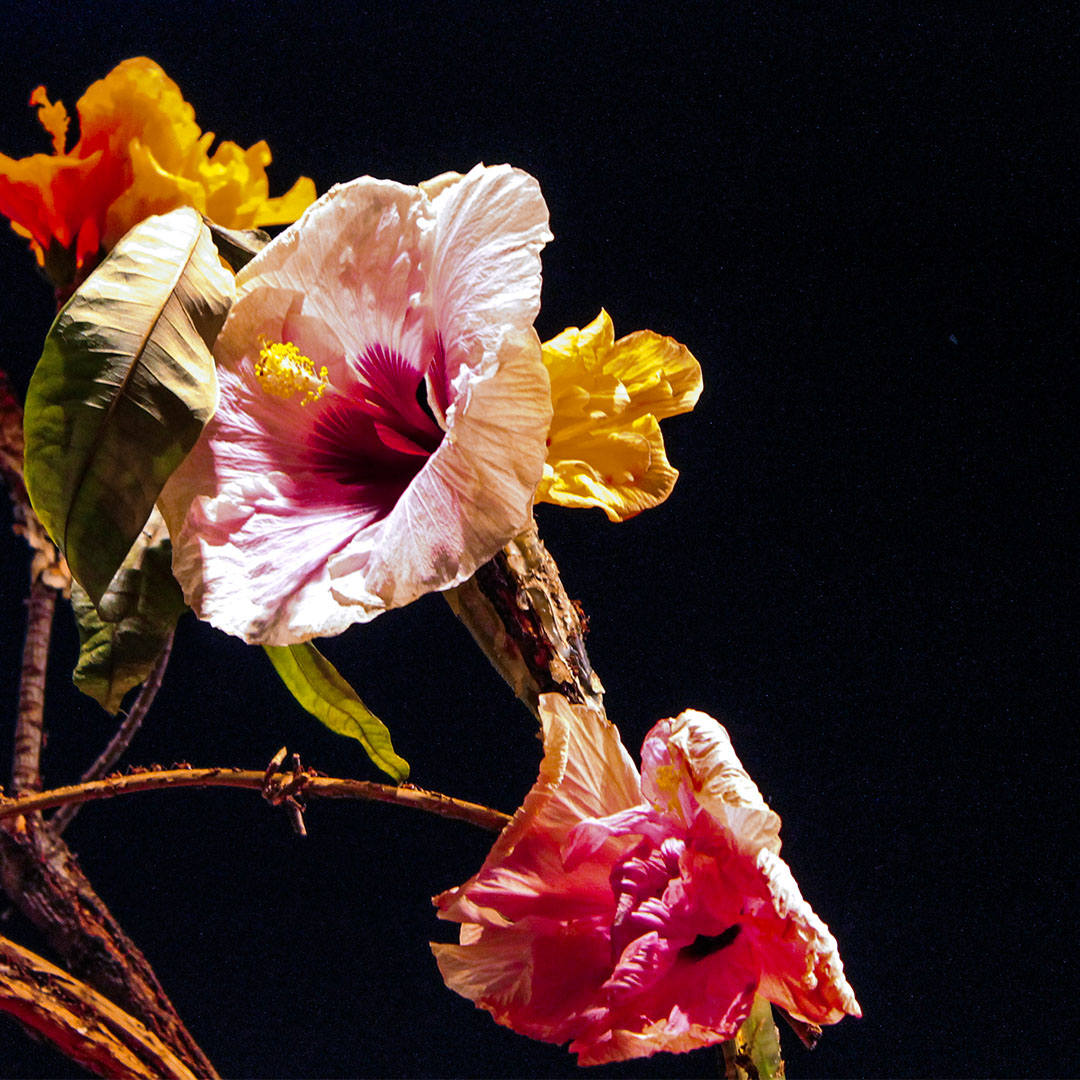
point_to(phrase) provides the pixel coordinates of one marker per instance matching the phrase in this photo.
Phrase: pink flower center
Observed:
(375, 436)
(640, 881)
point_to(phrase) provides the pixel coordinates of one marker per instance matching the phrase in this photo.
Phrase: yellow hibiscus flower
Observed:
(605, 448)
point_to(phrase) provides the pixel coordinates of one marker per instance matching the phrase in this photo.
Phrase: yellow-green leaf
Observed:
(123, 388)
(318, 686)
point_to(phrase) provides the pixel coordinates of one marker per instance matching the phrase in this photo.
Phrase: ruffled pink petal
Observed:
(676, 1003)
(597, 776)
(587, 838)
(801, 965)
(663, 997)
(540, 979)
(711, 778)
(585, 770)
(674, 1035)
(644, 962)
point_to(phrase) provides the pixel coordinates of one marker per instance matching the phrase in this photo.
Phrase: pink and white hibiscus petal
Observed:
(251, 553)
(472, 495)
(589, 836)
(715, 992)
(803, 972)
(712, 777)
(682, 1006)
(673, 1035)
(599, 777)
(488, 968)
(627, 1034)
(642, 964)
(251, 434)
(539, 979)
(254, 565)
(354, 259)
(485, 266)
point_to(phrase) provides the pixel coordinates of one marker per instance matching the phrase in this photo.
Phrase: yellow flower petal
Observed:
(285, 208)
(154, 190)
(54, 118)
(605, 448)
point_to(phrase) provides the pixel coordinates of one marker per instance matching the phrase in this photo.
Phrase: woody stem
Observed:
(29, 724)
(276, 788)
(122, 739)
(518, 612)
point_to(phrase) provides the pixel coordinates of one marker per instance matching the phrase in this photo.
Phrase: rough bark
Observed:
(516, 608)
(79, 1021)
(40, 875)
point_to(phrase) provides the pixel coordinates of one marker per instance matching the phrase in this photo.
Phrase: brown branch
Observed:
(37, 870)
(41, 876)
(278, 788)
(516, 608)
(48, 572)
(122, 739)
(79, 1021)
(29, 722)
(47, 564)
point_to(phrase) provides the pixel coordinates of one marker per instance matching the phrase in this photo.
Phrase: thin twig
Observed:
(29, 724)
(280, 785)
(122, 739)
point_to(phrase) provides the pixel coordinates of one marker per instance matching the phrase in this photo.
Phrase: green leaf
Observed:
(320, 689)
(123, 389)
(121, 638)
(754, 1053)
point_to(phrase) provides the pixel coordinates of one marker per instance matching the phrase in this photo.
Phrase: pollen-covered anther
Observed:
(283, 370)
(667, 779)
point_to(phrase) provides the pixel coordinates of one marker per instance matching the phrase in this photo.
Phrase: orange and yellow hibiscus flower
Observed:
(139, 152)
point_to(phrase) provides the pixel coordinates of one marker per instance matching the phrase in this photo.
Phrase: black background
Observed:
(856, 218)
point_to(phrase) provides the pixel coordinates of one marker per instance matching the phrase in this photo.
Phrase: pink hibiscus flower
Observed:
(635, 915)
(383, 412)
